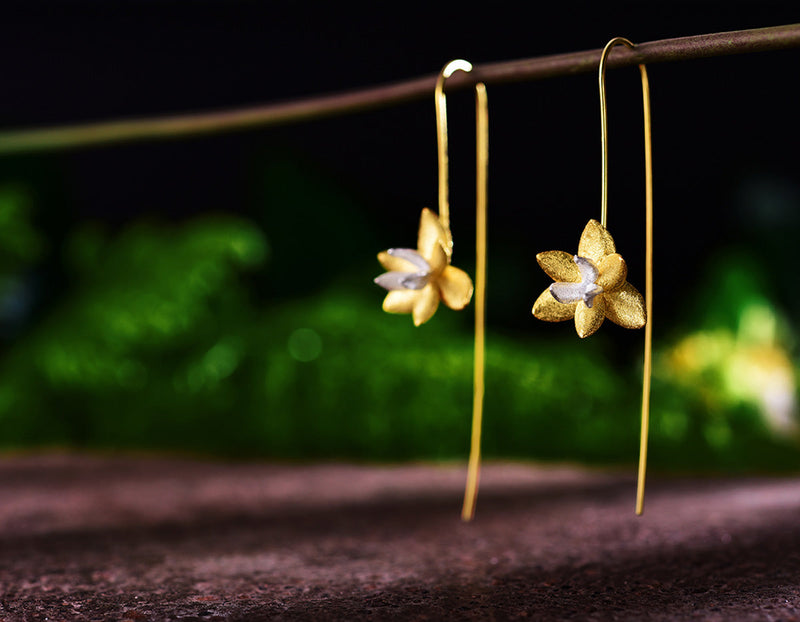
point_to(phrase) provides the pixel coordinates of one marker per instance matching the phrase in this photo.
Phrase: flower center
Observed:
(413, 280)
(406, 280)
(586, 289)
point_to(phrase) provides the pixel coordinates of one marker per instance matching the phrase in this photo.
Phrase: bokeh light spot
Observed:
(305, 345)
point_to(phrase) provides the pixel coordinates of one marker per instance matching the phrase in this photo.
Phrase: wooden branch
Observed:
(174, 126)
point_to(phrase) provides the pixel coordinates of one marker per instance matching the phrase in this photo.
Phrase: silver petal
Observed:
(588, 270)
(591, 291)
(417, 280)
(567, 293)
(409, 254)
(392, 280)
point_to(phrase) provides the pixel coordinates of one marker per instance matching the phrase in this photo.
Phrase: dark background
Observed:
(725, 129)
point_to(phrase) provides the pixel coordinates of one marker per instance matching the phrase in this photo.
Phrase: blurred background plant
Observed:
(209, 335)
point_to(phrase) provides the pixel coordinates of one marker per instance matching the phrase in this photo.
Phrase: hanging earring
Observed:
(418, 279)
(592, 286)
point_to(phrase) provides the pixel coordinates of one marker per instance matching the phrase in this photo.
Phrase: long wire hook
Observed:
(440, 101)
(481, 175)
(648, 329)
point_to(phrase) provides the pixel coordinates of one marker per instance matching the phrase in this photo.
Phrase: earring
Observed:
(417, 279)
(592, 285)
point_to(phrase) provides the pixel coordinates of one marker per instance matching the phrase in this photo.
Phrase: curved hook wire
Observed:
(482, 160)
(604, 125)
(648, 163)
(440, 101)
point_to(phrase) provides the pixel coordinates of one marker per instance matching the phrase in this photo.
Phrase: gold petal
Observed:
(559, 266)
(431, 234)
(549, 309)
(626, 307)
(426, 304)
(400, 300)
(437, 260)
(392, 263)
(589, 319)
(455, 288)
(613, 271)
(596, 242)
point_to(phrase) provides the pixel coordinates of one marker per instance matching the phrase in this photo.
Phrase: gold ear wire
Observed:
(648, 329)
(440, 101)
(481, 163)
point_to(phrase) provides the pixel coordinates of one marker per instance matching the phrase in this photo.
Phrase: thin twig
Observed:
(665, 50)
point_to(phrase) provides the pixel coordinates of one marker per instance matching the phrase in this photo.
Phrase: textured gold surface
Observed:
(400, 300)
(613, 271)
(431, 234)
(394, 263)
(426, 304)
(589, 319)
(549, 309)
(445, 282)
(438, 259)
(595, 243)
(455, 287)
(619, 301)
(626, 307)
(421, 303)
(559, 266)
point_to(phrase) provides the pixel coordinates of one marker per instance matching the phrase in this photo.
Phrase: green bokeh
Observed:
(220, 335)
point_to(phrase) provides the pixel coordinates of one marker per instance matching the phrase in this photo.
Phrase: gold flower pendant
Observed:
(418, 279)
(589, 286)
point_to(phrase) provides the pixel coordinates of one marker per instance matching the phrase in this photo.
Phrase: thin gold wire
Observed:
(482, 165)
(481, 194)
(440, 101)
(648, 163)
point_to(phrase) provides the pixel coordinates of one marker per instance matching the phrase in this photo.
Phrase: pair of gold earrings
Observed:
(589, 287)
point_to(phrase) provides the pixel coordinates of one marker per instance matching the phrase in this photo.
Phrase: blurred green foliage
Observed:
(20, 243)
(163, 341)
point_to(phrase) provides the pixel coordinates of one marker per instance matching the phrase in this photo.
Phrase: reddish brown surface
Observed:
(88, 538)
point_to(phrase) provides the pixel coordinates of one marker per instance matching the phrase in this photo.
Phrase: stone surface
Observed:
(153, 538)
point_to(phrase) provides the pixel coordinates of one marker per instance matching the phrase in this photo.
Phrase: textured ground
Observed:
(98, 538)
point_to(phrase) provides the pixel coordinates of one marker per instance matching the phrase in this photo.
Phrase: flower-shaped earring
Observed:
(592, 285)
(418, 279)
